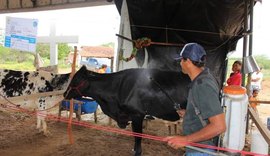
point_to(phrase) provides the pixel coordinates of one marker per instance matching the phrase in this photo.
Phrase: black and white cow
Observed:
(19, 83)
(131, 94)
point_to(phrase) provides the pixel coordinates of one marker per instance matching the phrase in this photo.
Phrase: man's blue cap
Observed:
(193, 51)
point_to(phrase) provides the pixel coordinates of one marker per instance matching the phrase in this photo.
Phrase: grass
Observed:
(18, 66)
(28, 65)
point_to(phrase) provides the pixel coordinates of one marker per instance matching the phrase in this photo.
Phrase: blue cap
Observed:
(193, 51)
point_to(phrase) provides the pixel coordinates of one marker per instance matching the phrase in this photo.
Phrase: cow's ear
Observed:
(83, 67)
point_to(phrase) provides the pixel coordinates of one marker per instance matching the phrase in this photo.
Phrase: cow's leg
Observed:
(38, 122)
(59, 111)
(44, 127)
(41, 116)
(137, 127)
(41, 123)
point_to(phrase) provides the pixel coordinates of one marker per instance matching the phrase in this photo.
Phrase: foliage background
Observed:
(19, 60)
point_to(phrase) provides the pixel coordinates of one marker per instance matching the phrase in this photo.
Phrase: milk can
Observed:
(236, 103)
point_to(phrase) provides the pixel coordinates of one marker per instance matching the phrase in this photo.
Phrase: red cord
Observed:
(125, 132)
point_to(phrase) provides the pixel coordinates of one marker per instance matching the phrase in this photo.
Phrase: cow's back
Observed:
(143, 91)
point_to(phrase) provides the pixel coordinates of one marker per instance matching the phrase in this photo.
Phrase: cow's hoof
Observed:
(40, 130)
(47, 134)
(136, 153)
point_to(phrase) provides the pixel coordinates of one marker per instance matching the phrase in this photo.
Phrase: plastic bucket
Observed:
(236, 102)
(258, 143)
(88, 106)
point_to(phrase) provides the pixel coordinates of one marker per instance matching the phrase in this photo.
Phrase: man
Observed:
(103, 68)
(256, 81)
(208, 121)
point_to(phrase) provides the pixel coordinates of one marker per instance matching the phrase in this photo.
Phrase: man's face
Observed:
(255, 93)
(183, 64)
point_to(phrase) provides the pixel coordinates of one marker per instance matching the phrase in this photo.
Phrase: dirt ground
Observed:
(18, 136)
(264, 95)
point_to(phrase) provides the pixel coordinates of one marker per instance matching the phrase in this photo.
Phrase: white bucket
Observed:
(236, 102)
(258, 143)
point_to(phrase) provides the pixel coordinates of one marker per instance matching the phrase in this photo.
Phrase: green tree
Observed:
(262, 61)
(43, 50)
(63, 50)
(110, 44)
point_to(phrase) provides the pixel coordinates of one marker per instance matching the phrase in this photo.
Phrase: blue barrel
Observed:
(88, 106)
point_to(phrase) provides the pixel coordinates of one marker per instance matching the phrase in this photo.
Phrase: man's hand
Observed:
(181, 112)
(176, 141)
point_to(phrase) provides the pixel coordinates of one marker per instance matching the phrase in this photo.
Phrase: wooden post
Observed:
(71, 140)
(262, 128)
(73, 69)
(73, 65)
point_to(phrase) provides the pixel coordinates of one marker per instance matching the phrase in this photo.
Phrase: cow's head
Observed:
(77, 85)
(122, 119)
(83, 84)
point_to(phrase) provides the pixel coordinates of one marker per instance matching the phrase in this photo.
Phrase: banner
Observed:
(21, 34)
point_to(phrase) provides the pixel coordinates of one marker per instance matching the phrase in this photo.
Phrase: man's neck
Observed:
(195, 72)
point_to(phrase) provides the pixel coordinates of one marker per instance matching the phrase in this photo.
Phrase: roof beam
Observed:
(7, 6)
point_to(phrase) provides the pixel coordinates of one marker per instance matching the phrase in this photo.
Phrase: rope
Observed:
(132, 55)
(139, 44)
(134, 134)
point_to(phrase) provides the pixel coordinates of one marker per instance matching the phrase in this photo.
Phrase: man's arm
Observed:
(215, 127)
(255, 80)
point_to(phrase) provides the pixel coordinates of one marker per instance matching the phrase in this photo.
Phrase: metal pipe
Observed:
(251, 28)
(205, 151)
(245, 40)
(250, 49)
(154, 43)
(244, 51)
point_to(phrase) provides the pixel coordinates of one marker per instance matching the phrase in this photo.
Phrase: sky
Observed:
(98, 25)
(93, 25)
(261, 31)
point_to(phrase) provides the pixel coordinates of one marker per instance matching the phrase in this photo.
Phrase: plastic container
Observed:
(88, 106)
(258, 143)
(236, 102)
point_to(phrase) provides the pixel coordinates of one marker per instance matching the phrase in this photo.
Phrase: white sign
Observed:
(21, 34)
(1, 37)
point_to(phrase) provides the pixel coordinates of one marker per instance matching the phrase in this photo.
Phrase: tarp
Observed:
(215, 24)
